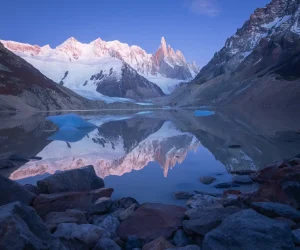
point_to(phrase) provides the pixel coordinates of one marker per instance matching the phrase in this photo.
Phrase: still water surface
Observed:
(147, 155)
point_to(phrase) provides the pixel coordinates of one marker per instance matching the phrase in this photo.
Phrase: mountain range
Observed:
(112, 69)
(258, 66)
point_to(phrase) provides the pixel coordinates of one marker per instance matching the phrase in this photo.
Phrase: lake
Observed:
(149, 155)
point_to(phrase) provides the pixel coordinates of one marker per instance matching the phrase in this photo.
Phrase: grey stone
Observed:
(203, 221)
(22, 228)
(110, 224)
(249, 230)
(124, 203)
(201, 201)
(272, 210)
(158, 244)
(52, 220)
(183, 195)
(106, 244)
(12, 191)
(75, 180)
(123, 215)
(80, 237)
(207, 180)
(180, 238)
(242, 179)
(100, 206)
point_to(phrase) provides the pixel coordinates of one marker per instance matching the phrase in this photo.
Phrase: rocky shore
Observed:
(74, 210)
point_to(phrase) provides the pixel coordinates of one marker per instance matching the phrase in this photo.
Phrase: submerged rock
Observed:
(12, 191)
(272, 210)
(152, 220)
(80, 237)
(183, 195)
(242, 179)
(226, 185)
(75, 180)
(22, 228)
(249, 230)
(207, 180)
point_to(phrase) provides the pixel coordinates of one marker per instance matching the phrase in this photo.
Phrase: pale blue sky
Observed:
(198, 28)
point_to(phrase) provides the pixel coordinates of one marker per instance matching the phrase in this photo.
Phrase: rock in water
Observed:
(249, 230)
(82, 179)
(12, 191)
(152, 220)
(22, 228)
(80, 237)
(183, 195)
(207, 180)
(272, 209)
(242, 179)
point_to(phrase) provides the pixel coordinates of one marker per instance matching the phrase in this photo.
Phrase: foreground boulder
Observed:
(249, 230)
(106, 244)
(272, 209)
(75, 180)
(46, 203)
(52, 220)
(81, 237)
(12, 191)
(203, 221)
(22, 228)
(152, 220)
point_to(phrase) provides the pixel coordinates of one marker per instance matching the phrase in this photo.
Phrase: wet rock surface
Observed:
(207, 180)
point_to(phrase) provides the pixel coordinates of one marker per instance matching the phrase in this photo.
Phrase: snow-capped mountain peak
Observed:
(84, 66)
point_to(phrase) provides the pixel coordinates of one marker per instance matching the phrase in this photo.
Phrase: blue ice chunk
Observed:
(203, 113)
(70, 120)
(70, 134)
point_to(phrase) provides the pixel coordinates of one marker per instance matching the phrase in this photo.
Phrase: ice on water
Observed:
(69, 121)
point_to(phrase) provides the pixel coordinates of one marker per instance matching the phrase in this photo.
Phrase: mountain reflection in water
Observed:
(136, 151)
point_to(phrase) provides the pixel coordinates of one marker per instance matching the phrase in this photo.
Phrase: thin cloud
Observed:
(204, 7)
